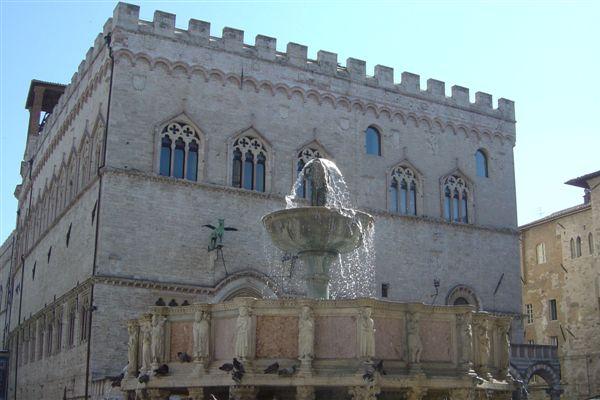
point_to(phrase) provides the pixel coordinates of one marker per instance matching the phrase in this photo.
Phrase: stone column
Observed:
(416, 393)
(305, 393)
(242, 392)
(364, 392)
(196, 393)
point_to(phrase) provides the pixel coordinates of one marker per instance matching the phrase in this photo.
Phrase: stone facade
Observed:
(107, 235)
(561, 290)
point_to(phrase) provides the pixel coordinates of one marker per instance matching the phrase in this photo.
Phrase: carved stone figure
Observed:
(146, 329)
(132, 347)
(158, 338)
(465, 329)
(242, 328)
(504, 353)
(483, 342)
(306, 334)
(367, 334)
(201, 329)
(369, 392)
(415, 347)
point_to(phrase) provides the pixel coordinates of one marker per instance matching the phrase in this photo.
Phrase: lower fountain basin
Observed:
(317, 229)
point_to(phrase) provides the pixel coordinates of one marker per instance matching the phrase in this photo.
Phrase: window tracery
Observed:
(456, 196)
(403, 191)
(304, 156)
(179, 148)
(249, 163)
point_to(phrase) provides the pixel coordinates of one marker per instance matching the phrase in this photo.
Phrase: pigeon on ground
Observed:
(272, 369)
(116, 380)
(162, 370)
(184, 357)
(238, 365)
(227, 367)
(288, 371)
(173, 303)
(237, 376)
(160, 302)
(144, 378)
(379, 368)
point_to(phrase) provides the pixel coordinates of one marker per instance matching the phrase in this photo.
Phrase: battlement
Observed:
(126, 16)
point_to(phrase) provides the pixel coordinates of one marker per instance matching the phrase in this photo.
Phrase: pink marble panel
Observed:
(436, 338)
(389, 338)
(181, 339)
(224, 334)
(335, 337)
(276, 337)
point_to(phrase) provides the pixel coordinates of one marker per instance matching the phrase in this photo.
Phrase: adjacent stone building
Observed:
(561, 289)
(163, 130)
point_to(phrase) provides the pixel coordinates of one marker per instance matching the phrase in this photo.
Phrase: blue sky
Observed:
(543, 55)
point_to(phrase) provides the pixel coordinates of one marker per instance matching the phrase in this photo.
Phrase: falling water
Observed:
(353, 274)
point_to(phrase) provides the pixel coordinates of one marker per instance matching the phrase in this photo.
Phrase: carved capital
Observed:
(305, 393)
(364, 392)
(242, 392)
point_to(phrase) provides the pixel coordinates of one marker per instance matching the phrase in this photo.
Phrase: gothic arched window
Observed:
(572, 246)
(403, 191)
(179, 148)
(304, 156)
(456, 199)
(481, 162)
(249, 163)
(578, 247)
(373, 141)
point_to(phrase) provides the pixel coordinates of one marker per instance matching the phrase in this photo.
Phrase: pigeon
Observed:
(272, 369)
(238, 365)
(144, 378)
(227, 367)
(116, 380)
(185, 303)
(173, 303)
(184, 357)
(237, 376)
(162, 370)
(379, 368)
(368, 376)
(160, 302)
(288, 371)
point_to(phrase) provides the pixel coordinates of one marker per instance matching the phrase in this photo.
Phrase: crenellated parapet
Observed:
(126, 17)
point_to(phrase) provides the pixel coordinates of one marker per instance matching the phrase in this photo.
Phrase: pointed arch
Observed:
(405, 189)
(179, 148)
(244, 284)
(307, 152)
(456, 195)
(250, 161)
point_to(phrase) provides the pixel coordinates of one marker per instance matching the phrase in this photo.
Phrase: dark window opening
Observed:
(482, 164)
(385, 289)
(192, 164)
(237, 169)
(461, 301)
(179, 158)
(49, 253)
(165, 156)
(248, 173)
(94, 212)
(260, 172)
(553, 310)
(32, 272)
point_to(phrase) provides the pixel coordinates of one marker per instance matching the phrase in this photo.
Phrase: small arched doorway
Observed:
(542, 382)
(461, 295)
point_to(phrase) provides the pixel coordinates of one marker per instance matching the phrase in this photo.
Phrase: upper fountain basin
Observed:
(316, 229)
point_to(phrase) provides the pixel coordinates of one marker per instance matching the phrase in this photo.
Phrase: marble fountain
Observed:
(315, 347)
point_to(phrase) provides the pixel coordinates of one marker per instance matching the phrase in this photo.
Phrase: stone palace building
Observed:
(561, 289)
(163, 130)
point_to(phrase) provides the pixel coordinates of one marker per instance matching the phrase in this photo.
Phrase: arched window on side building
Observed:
(373, 141)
